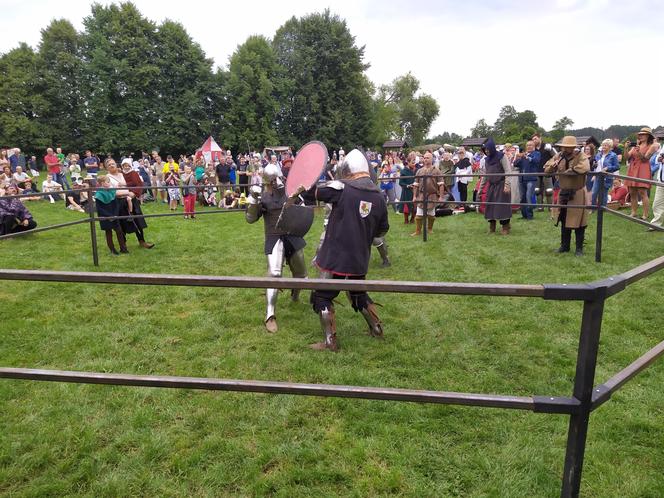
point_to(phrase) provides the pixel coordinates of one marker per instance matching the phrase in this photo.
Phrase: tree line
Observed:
(125, 84)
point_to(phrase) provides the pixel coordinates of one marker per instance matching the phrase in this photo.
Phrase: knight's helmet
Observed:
(354, 162)
(272, 175)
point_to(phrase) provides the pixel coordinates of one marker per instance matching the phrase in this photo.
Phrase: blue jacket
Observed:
(530, 164)
(610, 166)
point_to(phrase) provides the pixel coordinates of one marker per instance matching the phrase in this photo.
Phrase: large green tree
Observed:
(514, 126)
(326, 93)
(21, 100)
(252, 91)
(180, 116)
(121, 79)
(61, 72)
(413, 114)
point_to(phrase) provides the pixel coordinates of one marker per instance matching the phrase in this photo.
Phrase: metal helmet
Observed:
(272, 175)
(354, 162)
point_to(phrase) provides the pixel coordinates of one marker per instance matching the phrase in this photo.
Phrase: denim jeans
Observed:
(595, 192)
(527, 194)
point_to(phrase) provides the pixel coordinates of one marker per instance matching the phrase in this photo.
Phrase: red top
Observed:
(134, 180)
(52, 163)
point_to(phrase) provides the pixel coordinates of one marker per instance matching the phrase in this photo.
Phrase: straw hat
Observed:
(567, 141)
(646, 131)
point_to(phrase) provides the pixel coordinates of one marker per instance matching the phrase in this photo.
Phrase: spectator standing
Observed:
(428, 185)
(607, 161)
(132, 205)
(223, 169)
(462, 169)
(529, 162)
(53, 165)
(658, 201)
(387, 185)
(188, 181)
(638, 159)
(107, 206)
(91, 164)
(544, 190)
(172, 181)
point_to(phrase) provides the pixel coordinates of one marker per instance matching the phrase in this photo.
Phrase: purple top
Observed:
(14, 208)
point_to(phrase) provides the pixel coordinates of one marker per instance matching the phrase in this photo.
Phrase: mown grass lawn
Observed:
(66, 439)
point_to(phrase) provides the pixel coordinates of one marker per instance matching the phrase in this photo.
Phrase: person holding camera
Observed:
(638, 159)
(570, 165)
(658, 201)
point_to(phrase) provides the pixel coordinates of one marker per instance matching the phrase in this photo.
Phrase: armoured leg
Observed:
(329, 326)
(381, 245)
(275, 262)
(371, 317)
(298, 269)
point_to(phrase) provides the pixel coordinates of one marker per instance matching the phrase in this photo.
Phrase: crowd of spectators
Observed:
(222, 180)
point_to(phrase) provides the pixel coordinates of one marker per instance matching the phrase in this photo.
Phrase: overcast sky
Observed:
(595, 61)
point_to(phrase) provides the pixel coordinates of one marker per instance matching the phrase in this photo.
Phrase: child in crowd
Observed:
(188, 181)
(172, 181)
(228, 201)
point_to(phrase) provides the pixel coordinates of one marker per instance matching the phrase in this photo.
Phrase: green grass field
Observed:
(66, 439)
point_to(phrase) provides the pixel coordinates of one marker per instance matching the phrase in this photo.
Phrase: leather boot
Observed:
(430, 220)
(412, 215)
(145, 245)
(418, 227)
(580, 236)
(505, 229)
(109, 242)
(329, 326)
(371, 317)
(382, 250)
(492, 226)
(565, 239)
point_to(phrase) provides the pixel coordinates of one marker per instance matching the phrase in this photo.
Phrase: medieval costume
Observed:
(279, 246)
(428, 185)
(406, 181)
(358, 217)
(498, 190)
(570, 167)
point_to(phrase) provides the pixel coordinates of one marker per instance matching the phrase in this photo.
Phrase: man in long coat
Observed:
(570, 167)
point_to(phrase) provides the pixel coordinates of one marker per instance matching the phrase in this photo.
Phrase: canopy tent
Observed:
(210, 150)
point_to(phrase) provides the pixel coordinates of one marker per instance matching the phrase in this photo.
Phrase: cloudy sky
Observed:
(595, 61)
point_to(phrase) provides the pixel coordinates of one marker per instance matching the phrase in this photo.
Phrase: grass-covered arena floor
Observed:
(66, 439)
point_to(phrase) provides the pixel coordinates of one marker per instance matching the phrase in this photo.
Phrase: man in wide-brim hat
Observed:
(570, 167)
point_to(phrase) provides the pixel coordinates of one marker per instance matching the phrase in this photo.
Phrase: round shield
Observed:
(308, 166)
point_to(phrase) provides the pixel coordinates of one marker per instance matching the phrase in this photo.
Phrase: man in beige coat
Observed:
(570, 167)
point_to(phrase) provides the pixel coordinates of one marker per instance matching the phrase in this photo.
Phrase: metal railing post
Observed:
(586, 361)
(93, 228)
(600, 216)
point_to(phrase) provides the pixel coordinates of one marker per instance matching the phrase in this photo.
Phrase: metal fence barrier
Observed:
(585, 396)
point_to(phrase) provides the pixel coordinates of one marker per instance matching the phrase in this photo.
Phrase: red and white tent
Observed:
(210, 150)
